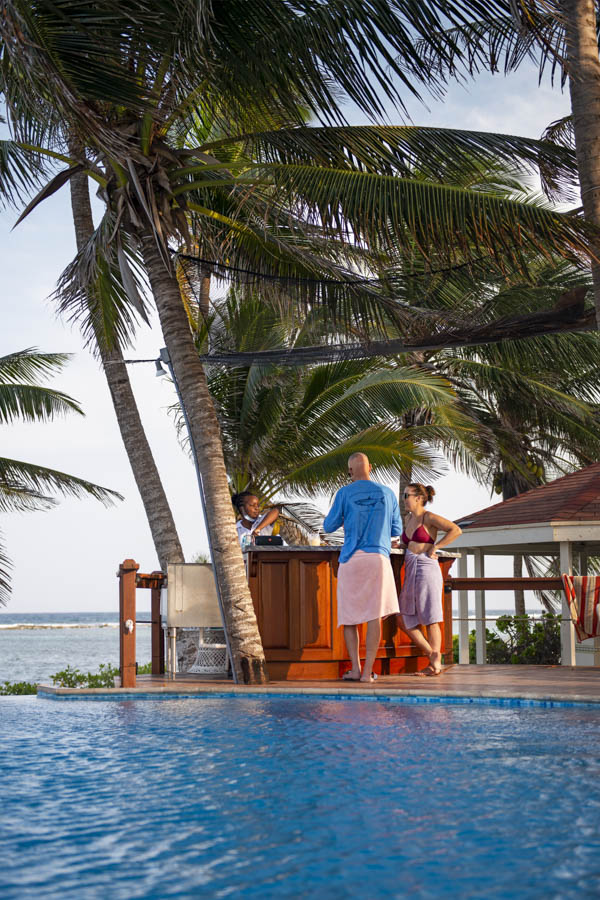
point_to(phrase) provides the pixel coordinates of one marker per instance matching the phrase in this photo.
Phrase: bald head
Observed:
(359, 466)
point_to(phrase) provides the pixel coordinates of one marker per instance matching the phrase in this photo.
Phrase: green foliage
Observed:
(530, 642)
(17, 687)
(526, 641)
(27, 486)
(74, 678)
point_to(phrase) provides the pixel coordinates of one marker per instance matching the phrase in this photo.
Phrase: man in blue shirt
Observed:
(366, 591)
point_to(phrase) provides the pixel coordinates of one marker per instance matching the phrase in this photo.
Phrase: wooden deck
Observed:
(543, 683)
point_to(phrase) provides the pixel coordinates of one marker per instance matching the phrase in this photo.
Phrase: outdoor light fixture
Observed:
(160, 372)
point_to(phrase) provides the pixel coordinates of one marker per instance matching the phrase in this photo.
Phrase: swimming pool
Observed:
(297, 797)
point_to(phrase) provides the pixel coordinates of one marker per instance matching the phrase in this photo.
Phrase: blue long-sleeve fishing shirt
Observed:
(370, 515)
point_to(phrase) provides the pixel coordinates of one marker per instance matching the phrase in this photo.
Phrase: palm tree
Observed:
(536, 402)
(172, 140)
(106, 336)
(25, 486)
(292, 428)
(561, 37)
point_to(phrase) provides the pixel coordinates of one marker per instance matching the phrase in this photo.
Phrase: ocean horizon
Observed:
(35, 646)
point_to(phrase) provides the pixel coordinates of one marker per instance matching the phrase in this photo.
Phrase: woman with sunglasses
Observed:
(421, 595)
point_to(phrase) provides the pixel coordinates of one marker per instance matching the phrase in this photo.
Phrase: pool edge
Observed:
(488, 697)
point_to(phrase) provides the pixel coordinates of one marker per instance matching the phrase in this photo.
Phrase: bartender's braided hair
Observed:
(238, 500)
(424, 491)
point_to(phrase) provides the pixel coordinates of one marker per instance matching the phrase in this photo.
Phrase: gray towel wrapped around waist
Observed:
(421, 593)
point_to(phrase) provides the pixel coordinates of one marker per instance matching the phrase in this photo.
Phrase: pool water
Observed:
(297, 797)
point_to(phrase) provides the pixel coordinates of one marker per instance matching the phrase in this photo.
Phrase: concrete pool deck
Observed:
(561, 684)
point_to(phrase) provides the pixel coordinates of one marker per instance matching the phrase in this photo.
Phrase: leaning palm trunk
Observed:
(584, 86)
(240, 620)
(519, 594)
(145, 472)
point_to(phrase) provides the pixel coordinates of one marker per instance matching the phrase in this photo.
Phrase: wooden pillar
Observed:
(480, 622)
(463, 612)
(158, 641)
(567, 631)
(127, 575)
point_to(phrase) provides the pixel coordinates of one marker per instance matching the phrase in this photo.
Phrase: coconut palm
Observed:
(292, 428)
(106, 333)
(536, 402)
(26, 486)
(561, 36)
(171, 138)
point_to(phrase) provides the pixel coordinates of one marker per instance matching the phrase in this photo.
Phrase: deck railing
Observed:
(483, 584)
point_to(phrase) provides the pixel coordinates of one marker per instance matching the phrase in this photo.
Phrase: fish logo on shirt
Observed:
(368, 501)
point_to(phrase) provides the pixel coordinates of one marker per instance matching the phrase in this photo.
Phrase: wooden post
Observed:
(463, 613)
(158, 643)
(480, 622)
(127, 574)
(567, 631)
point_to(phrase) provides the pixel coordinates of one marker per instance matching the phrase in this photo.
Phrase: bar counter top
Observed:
(328, 548)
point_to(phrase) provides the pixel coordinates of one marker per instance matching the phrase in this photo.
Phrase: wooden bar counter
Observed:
(295, 599)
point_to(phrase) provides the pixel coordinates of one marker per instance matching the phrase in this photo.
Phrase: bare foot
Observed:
(369, 678)
(435, 662)
(428, 671)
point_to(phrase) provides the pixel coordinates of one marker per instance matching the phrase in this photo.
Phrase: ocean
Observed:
(34, 646)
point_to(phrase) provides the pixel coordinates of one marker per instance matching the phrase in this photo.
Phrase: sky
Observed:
(66, 559)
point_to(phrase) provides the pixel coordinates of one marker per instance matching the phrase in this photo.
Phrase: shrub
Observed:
(17, 687)
(526, 643)
(74, 678)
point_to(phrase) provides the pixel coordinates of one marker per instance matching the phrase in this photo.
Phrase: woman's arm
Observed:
(450, 529)
(268, 518)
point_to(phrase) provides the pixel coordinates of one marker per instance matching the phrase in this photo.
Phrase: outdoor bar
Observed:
(295, 599)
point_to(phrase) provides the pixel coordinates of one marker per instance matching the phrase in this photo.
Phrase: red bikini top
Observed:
(419, 535)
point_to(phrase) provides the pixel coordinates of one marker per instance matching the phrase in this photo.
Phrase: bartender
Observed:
(251, 521)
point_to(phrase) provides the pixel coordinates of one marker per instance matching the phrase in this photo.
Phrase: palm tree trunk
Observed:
(403, 482)
(204, 298)
(240, 620)
(584, 86)
(519, 595)
(158, 512)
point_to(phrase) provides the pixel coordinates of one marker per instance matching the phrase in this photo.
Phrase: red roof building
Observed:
(561, 518)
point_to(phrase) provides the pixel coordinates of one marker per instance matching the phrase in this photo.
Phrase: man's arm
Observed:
(396, 519)
(335, 516)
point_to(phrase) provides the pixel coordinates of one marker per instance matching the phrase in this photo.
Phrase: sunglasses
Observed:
(409, 495)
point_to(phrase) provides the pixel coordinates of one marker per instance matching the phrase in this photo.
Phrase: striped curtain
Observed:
(583, 597)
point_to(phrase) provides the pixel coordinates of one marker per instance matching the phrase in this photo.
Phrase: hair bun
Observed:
(430, 492)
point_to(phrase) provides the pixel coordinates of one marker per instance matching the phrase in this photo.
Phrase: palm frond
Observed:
(102, 289)
(30, 483)
(501, 40)
(440, 154)
(21, 172)
(31, 404)
(30, 365)
(5, 578)
(451, 223)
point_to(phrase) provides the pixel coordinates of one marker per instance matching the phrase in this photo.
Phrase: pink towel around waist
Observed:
(365, 589)
(583, 596)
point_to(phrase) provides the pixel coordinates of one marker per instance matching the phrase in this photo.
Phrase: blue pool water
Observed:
(297, 797)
